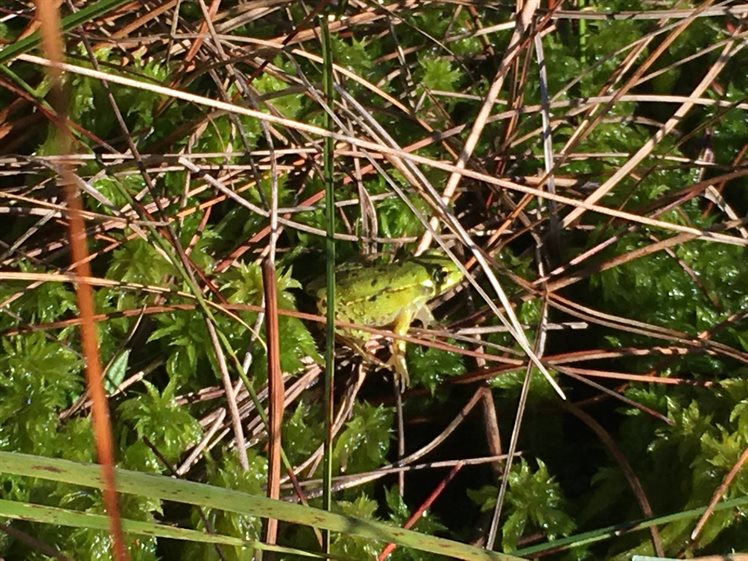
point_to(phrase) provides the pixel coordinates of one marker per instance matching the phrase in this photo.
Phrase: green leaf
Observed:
(116, 371)
(364, 442)
(429, 367)
(534, 501)
(39, 378)
(167, 425)
(438, 74)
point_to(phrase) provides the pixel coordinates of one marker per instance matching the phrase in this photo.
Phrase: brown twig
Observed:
(275, 391)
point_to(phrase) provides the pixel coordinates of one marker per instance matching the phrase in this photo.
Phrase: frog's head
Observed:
(444, 272)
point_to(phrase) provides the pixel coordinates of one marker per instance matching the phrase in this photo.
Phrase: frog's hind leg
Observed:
(361, 350)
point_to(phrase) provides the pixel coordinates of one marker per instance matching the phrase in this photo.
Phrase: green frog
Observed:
(389, 295)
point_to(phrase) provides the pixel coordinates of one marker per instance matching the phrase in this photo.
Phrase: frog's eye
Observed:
(439, 275)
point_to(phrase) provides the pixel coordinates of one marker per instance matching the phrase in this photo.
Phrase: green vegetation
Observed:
(640, 317)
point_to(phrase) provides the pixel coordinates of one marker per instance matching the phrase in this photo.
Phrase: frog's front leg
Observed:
(397, 360)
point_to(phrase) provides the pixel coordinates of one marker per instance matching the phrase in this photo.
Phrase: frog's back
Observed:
(376, 294)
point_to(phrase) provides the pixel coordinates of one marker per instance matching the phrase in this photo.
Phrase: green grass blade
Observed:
(616, 530)
(329, 164)
(188, 492)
